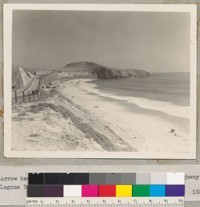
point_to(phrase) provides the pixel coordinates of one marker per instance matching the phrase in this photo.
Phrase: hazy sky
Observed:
(156, 42)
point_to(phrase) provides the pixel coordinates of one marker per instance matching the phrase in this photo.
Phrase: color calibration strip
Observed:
(79, 185)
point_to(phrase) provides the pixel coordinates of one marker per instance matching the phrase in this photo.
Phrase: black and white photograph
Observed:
(100, 81)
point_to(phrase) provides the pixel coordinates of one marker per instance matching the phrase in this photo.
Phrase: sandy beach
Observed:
(154, 131)
(79, 117)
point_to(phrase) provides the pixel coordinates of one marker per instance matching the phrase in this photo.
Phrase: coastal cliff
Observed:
(93, 70)
(81, 69)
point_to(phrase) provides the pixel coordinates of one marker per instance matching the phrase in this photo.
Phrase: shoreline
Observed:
(76, 119)
(182, 121)
(161, 106)
(140, 130)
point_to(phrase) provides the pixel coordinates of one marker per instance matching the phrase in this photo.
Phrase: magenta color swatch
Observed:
(90, 190)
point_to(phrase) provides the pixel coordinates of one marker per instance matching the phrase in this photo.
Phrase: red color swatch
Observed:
(107, 190)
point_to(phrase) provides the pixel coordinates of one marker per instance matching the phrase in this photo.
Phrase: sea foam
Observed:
(165, 107)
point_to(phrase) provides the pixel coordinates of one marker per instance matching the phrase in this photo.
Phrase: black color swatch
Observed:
(81, 178)
(35, 178)
(59, 178)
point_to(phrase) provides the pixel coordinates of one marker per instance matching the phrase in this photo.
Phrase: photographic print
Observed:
(100, 81)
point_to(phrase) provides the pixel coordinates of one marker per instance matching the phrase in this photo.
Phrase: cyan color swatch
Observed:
(157, 190)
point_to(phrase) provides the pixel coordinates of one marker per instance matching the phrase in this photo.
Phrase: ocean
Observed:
(165, 87)
(168, 93)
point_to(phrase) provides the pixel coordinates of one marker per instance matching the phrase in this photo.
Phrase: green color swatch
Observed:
(141, 190)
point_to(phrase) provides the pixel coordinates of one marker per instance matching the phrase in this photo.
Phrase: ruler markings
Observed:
(143, 202)
(109, 205)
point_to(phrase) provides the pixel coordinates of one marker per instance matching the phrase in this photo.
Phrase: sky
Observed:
(152, 41)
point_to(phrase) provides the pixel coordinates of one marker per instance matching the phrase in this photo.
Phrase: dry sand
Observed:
(39, 126)
(59, 124)
(143, 132)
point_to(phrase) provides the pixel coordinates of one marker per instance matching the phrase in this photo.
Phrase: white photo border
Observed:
(7, 41)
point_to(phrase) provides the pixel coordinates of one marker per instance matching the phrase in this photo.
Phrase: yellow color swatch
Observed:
(123, 190)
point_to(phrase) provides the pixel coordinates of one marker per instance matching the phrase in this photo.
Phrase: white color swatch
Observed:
(72, 190)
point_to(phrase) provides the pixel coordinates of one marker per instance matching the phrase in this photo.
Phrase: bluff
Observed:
(17, 81)
(16, 77)
(86, 69)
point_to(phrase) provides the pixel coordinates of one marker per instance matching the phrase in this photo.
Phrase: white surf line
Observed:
(165, 107)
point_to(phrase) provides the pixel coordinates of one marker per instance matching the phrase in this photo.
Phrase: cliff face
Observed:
(16, 77)
(107, 73)
(17, 81)
(93, 70)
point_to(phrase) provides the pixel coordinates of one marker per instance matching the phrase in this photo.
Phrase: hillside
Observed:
(81, 69)
(16, 76)
(94, 70)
